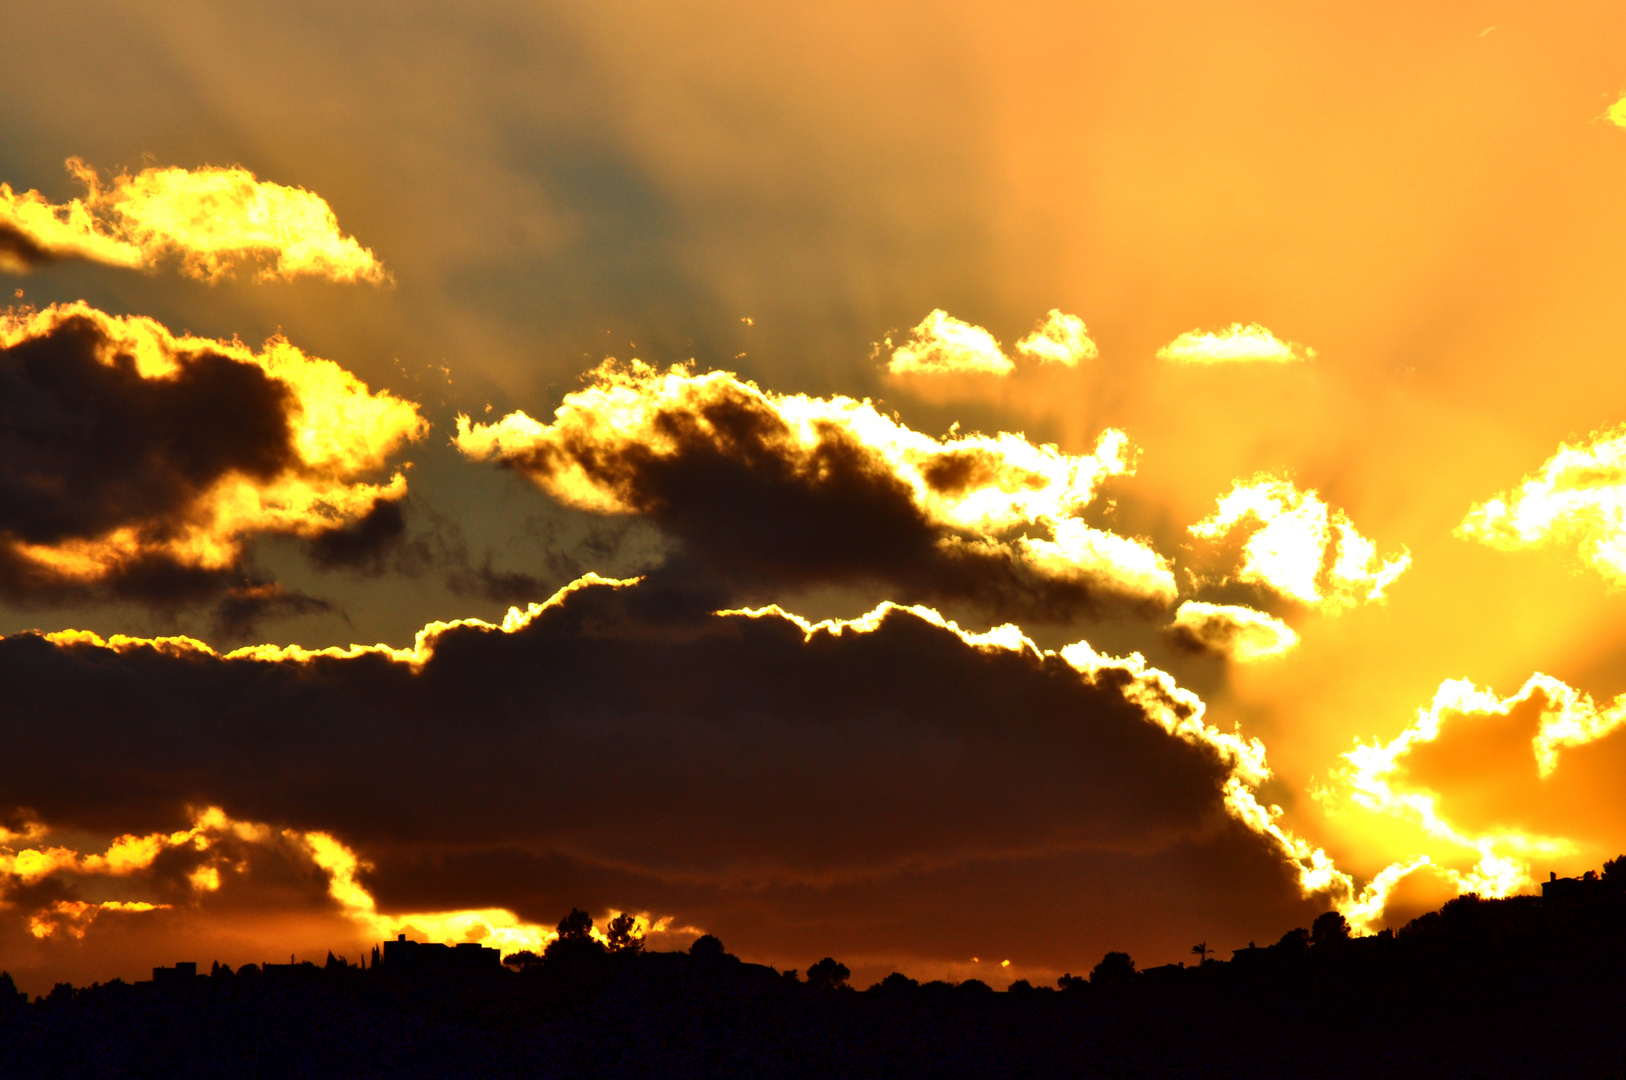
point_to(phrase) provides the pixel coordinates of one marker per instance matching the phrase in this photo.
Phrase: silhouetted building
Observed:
(1562, 893)
(180, 976)
(432, 956)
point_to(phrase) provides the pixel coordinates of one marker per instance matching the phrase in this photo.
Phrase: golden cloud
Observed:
(1238, 633)
(212, 219)
(1058, 339)
(1299, 547)
(1235, 344)
(1578, 498)
(944, 345)
(220, 852)
(126, 446)
(853, 492)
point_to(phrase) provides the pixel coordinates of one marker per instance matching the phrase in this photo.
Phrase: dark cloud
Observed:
(631, 740)
(20, 251)
(137, 466)
(246, 606)
(88, 446)
(763, 492)
(363, 543)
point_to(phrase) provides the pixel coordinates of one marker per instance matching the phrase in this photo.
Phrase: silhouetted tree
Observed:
(624, 936)
(575, 955)
(707, 947)
(896, 981)
(1115, 969)
(1329, 928)
(9, 994)
(578, 924)
(791, 976)
(1073, 983)
(828, 974)
(521, 960)
(1200, 951)
(1295, 941)
(1615, 870)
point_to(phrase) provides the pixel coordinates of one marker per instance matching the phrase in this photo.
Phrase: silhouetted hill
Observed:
(1526, 986)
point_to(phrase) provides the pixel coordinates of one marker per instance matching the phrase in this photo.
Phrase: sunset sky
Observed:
(930, 484)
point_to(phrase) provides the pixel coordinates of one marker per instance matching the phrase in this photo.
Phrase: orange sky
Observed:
(1421, 204)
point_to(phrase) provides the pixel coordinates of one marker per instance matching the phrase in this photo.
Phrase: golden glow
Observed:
(1235, 344)
(943, 345)
(1578, 498)
(340, 431)
(1240, 633)
(213, 219)
(1300, 547)
(75, 916)
(1002, 483)
(1058, 339)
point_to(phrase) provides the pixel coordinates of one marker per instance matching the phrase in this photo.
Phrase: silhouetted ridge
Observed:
(1522, 986)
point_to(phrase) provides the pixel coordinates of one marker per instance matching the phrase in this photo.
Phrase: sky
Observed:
(954, 487)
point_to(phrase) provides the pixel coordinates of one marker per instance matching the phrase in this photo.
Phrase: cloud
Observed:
(212, 219)
(1578, 498)
(1235, 344)
(1299, 547)
(943, 345)
(769, 488)
(1237, 633)
(623, 731)
(1616, 113)
(137, 464)
(1058, 339)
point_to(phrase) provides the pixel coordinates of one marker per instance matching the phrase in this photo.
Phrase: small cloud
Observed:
(1299, 547)
(1235, 344)
(1238, 633)
(1616, 113)
(1058, 339)
(943, 345)
(1578, 498)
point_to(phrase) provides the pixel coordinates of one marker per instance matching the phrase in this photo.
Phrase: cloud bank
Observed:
(137, 464)
(650, 752)
(211, 219)
(769, 488)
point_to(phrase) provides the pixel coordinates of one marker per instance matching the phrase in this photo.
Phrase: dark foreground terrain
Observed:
(1519, 987)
